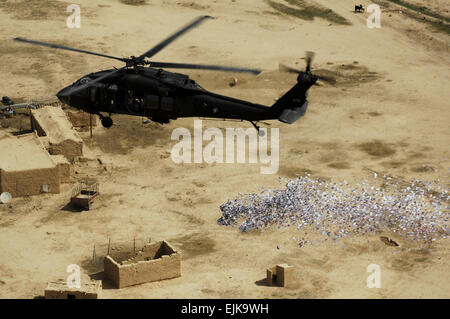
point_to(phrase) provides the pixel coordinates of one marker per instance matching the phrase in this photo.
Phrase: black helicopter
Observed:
(143, 88)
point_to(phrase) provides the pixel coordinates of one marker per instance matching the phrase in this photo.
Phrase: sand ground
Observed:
(389, 113)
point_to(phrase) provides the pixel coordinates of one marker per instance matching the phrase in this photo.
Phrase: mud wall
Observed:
(151, 251)
(111, 269)
(280, 275)
(60, 290)
(29, 182)
(143, 268)
(81, 119)
(64, 294)
(70, 149)
(63, 167)
(35, 126)
(64, 172)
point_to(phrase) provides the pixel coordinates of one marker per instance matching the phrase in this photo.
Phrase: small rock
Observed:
(233, 82)
(388, 241)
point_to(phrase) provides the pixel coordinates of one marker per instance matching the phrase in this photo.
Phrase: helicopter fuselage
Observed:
(159, 95)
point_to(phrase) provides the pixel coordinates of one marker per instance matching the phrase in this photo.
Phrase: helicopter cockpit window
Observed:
(85, 80)
(195, 85)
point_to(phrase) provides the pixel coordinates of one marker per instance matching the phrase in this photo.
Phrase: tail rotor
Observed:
(309, 57)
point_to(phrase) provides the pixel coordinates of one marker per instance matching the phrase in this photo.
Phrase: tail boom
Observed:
(292, 106)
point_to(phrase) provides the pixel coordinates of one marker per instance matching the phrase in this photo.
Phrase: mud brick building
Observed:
(156, 261)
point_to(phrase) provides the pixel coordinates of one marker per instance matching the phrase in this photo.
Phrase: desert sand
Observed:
(388, 113)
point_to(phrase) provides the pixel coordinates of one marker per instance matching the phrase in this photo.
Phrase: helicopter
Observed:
(143, 88)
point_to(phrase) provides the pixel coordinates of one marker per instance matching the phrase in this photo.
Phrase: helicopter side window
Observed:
(111, 93)
(167, 103)
(163, 91)
(152, 101)
(113, 88)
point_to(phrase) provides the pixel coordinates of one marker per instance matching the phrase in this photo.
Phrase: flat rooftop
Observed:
(23, 153)
(88, 286)
(53, 120)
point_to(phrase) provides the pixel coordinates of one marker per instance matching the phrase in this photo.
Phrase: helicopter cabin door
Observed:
(151, 104)
(162, 105)
(167, 102)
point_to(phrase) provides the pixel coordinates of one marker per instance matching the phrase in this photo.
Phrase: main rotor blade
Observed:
(288, 69)
(202, 67)
(57, 46)
(173, 37)
(328, 79)
(90, 83)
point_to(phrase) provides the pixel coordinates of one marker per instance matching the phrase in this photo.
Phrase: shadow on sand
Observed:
(106, 283)
(263, 282)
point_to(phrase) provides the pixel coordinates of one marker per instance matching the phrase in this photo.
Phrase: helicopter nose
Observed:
(63, 96)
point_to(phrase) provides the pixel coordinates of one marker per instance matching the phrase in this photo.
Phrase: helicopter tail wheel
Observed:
(107, 122)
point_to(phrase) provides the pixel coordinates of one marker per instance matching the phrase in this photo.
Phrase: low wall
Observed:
(59, 290)
(64, 172)
(63, 167)
(156, 261)
(280, 275)
(70, 149)
(81, 119)
(35, 126)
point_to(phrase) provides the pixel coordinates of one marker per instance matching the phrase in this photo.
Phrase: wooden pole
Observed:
(94, 255)
(134, 246)
(109, 245)
(90, 123)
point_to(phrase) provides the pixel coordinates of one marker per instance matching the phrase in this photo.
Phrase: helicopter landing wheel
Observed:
(107, 121)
